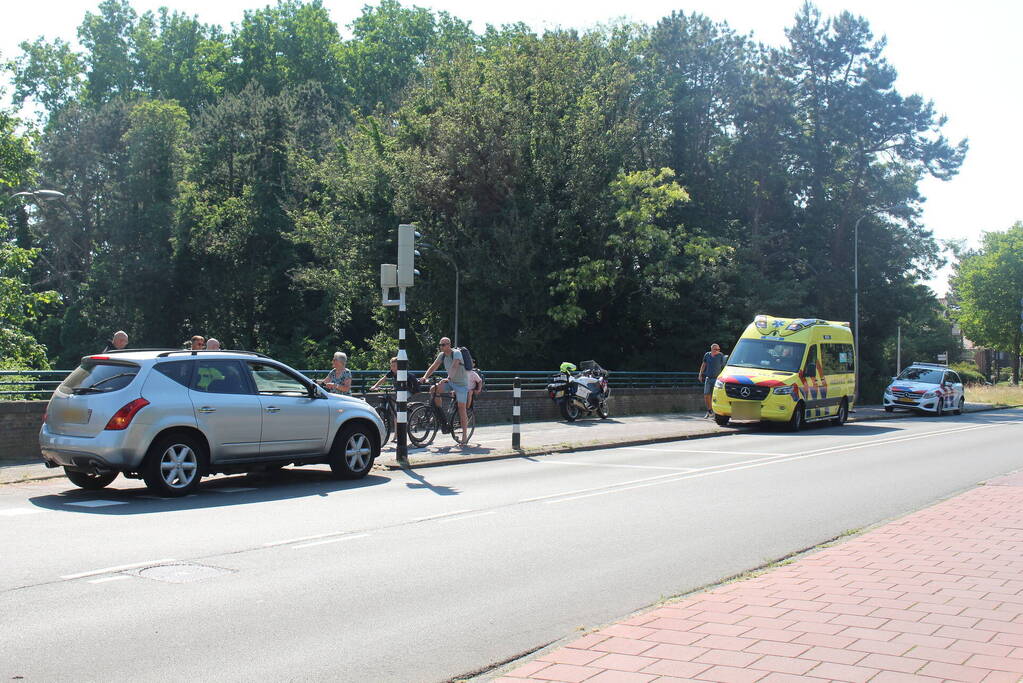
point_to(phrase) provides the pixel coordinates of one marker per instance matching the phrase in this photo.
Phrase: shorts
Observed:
(708, 385)
(461, 391)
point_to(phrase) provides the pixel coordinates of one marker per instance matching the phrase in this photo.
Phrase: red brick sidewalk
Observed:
(937, 595)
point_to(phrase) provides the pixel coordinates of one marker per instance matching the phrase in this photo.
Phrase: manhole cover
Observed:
(185, 572)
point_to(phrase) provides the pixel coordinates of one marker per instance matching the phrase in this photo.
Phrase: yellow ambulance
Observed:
(793, 370)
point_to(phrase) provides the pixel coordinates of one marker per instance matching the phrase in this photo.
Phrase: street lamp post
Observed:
(454, 265)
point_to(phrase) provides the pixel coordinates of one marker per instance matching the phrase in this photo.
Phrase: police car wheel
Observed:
(940, 409)
(889, 409)
(959, 406)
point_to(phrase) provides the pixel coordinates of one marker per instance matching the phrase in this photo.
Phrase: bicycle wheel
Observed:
(456, 426)
(385, 417)
(422, 426)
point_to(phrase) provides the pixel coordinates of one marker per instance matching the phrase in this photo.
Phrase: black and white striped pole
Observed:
(402, 435)
(517, 414)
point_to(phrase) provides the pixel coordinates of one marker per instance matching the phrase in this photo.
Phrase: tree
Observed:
(987, 293)
(20, 306)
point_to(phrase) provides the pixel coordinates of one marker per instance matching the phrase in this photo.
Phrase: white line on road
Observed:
(459, 519)
(98, 503)
(607, 464)
(16, 512)
(734, 467)
(330, 540)
(443, 514)
(302, 538)
(111, 570)
(105, 579)
(692, 450)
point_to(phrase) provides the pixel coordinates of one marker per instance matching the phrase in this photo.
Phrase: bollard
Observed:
(517, 415)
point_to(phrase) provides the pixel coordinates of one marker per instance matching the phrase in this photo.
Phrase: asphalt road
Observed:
(438, 572)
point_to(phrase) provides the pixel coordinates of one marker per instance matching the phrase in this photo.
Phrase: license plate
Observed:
(905, 400)
(746, 411)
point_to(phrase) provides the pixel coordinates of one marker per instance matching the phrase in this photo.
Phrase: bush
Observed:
(969, 373)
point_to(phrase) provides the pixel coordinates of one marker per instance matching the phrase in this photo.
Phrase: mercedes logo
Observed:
(744, 392)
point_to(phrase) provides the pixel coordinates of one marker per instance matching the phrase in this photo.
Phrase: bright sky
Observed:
(963, 56)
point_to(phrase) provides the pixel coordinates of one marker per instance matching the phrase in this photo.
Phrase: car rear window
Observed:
(99, 377)
(179, 370)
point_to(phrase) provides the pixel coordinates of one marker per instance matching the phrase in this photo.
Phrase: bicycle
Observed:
(427, 419)
(386, 406)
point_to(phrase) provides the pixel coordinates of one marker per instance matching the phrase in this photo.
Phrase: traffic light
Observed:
(407, 254)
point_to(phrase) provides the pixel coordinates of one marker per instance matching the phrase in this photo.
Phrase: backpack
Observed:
(466, 359)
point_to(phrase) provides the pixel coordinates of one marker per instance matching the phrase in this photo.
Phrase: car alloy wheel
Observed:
(179, 466)
(358, 452)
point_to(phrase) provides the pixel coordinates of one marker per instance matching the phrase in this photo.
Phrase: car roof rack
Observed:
(931, 365)
(196, 352)
(104, 353)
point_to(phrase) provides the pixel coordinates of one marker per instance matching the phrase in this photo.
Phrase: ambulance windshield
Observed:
(766, 354)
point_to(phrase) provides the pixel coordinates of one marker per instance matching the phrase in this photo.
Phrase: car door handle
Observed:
(273, 409)
(207, 409)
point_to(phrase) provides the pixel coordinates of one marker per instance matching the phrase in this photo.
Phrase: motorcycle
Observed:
(584, 392)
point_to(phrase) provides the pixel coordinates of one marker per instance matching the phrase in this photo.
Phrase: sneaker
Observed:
(708, 414)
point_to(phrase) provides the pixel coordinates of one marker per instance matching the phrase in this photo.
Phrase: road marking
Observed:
(459, 519)
(595, 488)
(606, 464)
(693, 450)
(105, 579)
(734, 467)
(15, 512)
(443, 514)
(330, 540)
(111, 570)
(237, 489)
(98, 503)
(302, 538)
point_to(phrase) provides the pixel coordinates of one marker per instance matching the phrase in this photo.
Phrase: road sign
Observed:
(943, 356)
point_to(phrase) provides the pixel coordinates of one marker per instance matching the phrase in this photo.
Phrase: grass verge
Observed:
(1000, 395)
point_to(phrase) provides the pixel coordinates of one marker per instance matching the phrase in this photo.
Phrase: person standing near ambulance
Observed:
(713, 362)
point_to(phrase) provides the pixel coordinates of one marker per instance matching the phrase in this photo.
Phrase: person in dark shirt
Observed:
(713, 362)
(392, 376)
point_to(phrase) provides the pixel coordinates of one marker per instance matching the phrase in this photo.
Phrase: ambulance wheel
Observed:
(722, 420)
(843, 414)
(796, 422)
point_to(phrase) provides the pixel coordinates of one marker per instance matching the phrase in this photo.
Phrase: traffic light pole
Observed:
(402, 435)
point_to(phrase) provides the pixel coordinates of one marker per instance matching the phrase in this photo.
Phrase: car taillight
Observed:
(123, 417)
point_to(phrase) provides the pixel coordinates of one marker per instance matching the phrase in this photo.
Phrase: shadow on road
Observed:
(423, 483)
(216, 492)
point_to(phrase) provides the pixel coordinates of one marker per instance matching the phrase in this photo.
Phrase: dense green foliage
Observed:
(987, 293)
(630, 193)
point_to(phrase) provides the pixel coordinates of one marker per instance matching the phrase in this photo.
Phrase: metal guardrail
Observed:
(39, 384)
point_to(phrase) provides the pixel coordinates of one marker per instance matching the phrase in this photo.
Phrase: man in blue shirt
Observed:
(713, 362)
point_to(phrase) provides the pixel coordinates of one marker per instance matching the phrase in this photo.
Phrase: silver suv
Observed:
(170, 417)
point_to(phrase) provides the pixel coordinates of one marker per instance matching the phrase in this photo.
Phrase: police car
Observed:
(926, 388)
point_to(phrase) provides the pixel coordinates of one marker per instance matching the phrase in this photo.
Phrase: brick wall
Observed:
(19, 430)
(20, 420)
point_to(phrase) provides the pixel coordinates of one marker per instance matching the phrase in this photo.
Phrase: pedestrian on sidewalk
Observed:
(713, 362)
